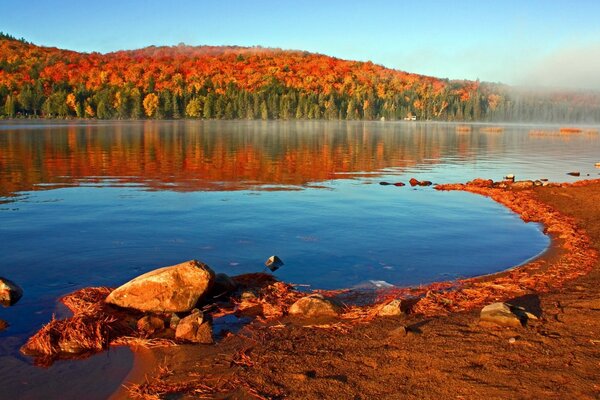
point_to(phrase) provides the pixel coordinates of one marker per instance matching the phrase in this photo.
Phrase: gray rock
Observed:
(223, 285)
(195, 329)
(170, 289)
(274, 263)
(391, 309)
(314, 305)
(500, 314)
(10, 292)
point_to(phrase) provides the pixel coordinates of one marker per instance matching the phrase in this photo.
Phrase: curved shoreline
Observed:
(569, 255)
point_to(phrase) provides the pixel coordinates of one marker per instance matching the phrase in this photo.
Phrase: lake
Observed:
(95, 204)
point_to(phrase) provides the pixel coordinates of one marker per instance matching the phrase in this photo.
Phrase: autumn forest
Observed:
(209, 82)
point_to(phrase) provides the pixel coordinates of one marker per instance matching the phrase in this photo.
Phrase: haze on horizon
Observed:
(553, 44)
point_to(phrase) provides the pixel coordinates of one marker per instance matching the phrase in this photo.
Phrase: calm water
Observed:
(96, 204)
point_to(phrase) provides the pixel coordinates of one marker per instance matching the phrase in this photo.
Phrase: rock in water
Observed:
(10, 292)
(3, 325)
(314, 305)
(274, 263)
(170, 289)
(413, 182)
(500, 314)
(576, 173)
(391, 309)
(399, 184)
(195, 329)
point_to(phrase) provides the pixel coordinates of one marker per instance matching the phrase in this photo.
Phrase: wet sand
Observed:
(445, 353)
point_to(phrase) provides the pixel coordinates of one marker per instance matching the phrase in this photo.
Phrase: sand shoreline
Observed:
(570, 248)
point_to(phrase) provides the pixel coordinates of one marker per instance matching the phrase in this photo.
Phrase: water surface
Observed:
(90, 204)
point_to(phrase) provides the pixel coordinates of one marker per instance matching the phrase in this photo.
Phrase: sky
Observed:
(527, 43)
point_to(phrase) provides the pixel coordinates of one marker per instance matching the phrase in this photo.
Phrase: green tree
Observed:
(194, 108)
(9, 106)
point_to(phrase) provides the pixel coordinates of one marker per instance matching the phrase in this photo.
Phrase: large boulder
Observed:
(170, 289)
(194, 328)
(10, 292)
(500, 314)
(314, 305)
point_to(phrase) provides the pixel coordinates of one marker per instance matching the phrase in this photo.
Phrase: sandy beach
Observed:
(438, 353)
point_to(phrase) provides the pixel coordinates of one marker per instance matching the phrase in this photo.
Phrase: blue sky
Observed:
(549, 43)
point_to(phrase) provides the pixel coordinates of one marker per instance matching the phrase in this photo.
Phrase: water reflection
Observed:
(188, 155)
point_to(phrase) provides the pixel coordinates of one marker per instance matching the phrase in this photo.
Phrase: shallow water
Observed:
(96, 204)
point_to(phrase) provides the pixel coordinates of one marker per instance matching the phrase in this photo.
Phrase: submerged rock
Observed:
(500, 314)
(170, 289)
(3, 325)
(384, 183)
(195, 329)
(314, 305)
(391, 309)
(10, 292)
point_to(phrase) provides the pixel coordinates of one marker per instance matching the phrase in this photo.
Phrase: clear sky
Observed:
(536, 42)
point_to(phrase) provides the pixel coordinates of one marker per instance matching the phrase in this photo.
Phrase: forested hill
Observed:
(253, 83)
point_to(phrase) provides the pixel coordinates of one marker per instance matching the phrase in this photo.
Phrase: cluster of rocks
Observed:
(509, 182)
(413, 182)
(169, 296)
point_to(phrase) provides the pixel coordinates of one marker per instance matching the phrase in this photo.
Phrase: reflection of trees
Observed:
(225, 155)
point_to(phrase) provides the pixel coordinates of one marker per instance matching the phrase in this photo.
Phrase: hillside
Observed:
(253, 83)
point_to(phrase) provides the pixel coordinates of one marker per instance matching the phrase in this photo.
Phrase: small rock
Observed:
(500, 185)
(195, 329)
(523, 184)
(512, 340)
(170, 289)
(399, 184)
(575, 173)
(544, 179)
(500, 314)
(314, 305)
(223, 284)
(150, 324)
(274, 263)
(391, 309)
(10, 292)
(3, 325)
(413, 182)
(248, 295)
(597, 165)
(384, 183)
(510, 177)
(174, 321)
(538, 183)
(398, 333)
(425, 183)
